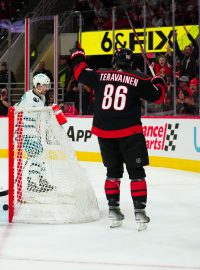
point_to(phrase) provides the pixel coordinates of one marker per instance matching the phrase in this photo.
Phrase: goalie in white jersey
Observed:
(31, 137)
(36, 96)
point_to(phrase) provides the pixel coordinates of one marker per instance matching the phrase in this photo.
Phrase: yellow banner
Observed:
(101, 42)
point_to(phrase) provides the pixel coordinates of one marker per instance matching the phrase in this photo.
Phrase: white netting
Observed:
(50, 186)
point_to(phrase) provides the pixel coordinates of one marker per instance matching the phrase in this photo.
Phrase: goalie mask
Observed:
(122, 58)
(41, 79)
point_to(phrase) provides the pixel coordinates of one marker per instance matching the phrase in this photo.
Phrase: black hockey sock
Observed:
(112, 191)
(139, 193)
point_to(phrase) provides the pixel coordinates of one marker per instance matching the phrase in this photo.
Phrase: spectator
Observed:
(191, 13)
(87, 13)
(72, 94)
(4, 105)
(109, 3)
(187, 102)
(4, 10)
(169, 59)
(181, 97)
(91, 106)
(184, 84)
(81, 5)
(42, 69)
(162, 67)
(169, 95)
(188, 64)
(68, 108)
(158, 18)
(4, 76)
(7, 10)
(98, 23)
(190, 106)
(71, 109)
(136, 19)
(194, 87)
(100, 10)
(86, 97)
(64, 72)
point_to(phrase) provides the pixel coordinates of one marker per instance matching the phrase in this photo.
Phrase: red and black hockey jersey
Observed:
(118, 97)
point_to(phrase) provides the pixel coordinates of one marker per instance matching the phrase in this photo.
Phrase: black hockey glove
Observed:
(158, 80)
(77, 51)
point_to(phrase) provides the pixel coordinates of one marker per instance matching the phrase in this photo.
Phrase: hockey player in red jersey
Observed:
(117, 124)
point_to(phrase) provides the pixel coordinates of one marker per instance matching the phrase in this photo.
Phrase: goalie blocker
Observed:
(72, 198)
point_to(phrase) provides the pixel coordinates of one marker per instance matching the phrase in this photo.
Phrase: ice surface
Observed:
(172, 240)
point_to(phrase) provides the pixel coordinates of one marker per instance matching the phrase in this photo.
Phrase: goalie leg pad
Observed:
(32, 145)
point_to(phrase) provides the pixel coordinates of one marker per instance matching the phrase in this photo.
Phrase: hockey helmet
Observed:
(122, 57)
(41, 79)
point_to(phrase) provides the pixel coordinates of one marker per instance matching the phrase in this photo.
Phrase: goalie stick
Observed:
(4, 193)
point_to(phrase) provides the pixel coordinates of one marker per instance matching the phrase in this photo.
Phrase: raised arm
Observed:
(81, 71)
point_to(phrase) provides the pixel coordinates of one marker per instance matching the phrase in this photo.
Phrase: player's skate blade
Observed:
(142, 219)
(142, 227)
(115, 216)
(115, 223)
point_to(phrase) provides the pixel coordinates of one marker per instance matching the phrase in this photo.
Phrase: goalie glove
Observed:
(59, 114)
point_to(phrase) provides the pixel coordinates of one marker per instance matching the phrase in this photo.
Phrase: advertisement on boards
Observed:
(167, 137)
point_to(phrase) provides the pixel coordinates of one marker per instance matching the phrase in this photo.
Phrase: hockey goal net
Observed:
(46, 182)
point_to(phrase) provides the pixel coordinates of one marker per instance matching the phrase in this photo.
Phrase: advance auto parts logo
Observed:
(161, 137)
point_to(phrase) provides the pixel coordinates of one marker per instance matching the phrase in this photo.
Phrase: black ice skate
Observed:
(142, 219)
(115, 216)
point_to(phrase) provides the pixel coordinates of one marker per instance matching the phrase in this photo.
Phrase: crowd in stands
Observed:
(4, 78)
(14, 9)
(158, 13)
(185, 92)
(8, 9)
(11, 10)
(187, 82)
(186, 95)
(97, 13)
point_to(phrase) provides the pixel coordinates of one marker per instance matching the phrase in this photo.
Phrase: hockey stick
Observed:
(3, 193)
(142, 49)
